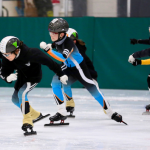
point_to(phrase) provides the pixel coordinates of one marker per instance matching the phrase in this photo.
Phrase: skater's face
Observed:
(9, 56)
(54, 36)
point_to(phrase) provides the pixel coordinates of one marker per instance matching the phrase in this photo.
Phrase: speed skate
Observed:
(56, 124)
(147, 110)
(40, 118)
(57, 117)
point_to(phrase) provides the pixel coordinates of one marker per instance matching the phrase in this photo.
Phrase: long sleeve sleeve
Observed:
(146, 41)
(39, 57)
(142, 53)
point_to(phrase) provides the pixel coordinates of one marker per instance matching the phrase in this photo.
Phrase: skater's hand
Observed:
(45, 47)
(64, 79)
(12, 77)
(131, 59)
(133, 41)
(136, 62)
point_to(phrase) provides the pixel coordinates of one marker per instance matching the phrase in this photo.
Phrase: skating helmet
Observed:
(72, 33)
(58, 25)
(9, 44)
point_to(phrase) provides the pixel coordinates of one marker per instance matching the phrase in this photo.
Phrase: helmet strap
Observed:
(15, 52)
(60, 38)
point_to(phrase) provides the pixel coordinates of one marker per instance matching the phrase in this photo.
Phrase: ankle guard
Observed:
(27, 118)
(70, 103)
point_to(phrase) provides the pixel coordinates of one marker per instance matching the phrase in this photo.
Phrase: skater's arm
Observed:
(56, 55)
(145, 41)
(7, 69)
(140, 41)
(141, 62)
(145, 62)
(40, 57)
(68, 47)
(142, 53)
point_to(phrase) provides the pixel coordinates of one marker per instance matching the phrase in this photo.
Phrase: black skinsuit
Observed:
(28, 65)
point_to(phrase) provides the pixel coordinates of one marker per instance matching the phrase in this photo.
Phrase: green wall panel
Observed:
(107, 41)
(34, 30)
(112, 49)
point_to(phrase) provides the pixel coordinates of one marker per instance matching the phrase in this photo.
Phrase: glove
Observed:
(115, 116)
(131, 59)
(45, 47)
(64, 79)
(133, 41)
(136, 62)
(12, 77)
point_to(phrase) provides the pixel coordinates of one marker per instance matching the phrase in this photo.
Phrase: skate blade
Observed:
(41, 118)
(56, 124)
(146, 113)
(30, 133)
(70, 116)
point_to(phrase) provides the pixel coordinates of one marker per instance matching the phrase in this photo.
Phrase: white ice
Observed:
(91, 129)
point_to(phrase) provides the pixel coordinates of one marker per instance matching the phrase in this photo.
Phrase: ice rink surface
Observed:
(91, 129)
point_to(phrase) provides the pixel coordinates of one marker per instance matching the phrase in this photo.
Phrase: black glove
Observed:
(136, 62)
(133, 41)
(115, 116)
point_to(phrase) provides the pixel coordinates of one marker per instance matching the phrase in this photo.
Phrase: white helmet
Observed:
(9, 44)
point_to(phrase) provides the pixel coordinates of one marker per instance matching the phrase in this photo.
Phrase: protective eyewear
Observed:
(6, 55)
(53, 33)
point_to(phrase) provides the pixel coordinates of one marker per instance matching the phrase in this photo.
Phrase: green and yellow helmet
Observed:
(72, 33)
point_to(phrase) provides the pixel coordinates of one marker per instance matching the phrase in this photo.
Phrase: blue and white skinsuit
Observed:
(75, 68)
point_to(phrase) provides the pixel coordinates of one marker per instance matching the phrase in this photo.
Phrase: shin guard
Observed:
(34, 114)
(27, 119)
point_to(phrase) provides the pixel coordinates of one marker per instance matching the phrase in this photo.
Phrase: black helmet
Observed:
(72, 33)
(58, 25)
(9, 44)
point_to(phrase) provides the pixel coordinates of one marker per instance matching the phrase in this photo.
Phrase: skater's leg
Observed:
(68, 94)
(24, 104)
(34, 114)
(84, 77)
(58, 96)
(15, 98)
(148, 82)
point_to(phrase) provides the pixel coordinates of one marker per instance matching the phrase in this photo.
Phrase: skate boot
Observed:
(147, 107)
(60, 115)
(37, 116)
(147, 110)
(70, 107)
(117, 117)
(28, 124)
(26, 127)
(57, 117)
